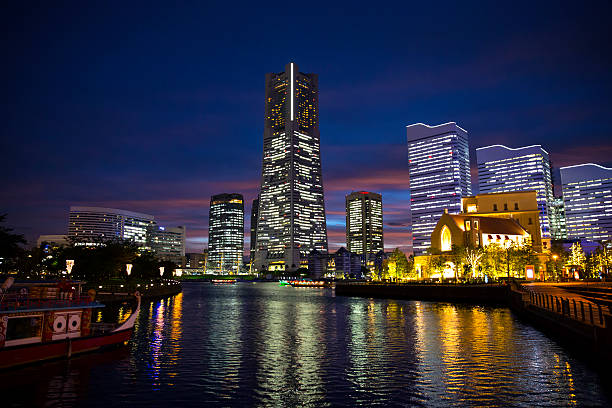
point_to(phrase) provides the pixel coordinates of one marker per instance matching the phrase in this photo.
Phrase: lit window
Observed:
(446, 240)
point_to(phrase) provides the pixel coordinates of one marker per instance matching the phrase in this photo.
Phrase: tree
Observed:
(473, 258)
(10, 249)
(577, 258)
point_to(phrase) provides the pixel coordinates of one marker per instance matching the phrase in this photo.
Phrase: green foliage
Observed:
(397, 266)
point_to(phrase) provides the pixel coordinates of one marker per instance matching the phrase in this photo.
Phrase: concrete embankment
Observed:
(117, 293)
(489, 294)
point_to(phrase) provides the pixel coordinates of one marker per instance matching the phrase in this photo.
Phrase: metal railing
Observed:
(18, 302)
(582, 311)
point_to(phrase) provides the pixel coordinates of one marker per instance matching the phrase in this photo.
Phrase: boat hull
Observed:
(31, 353)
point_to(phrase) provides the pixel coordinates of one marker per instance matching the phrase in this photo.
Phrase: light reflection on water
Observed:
(264, 345)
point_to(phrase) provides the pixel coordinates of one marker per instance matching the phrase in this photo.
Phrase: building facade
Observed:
(291, 206)
(364, 224)
(254, 219)
(439, 170)
(558, 228)
(520, 206)
(167, 243)
(95, 225)
(504, 169)
(587, 197)
(226, 232)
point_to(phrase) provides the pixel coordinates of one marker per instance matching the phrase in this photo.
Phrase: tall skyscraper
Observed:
(364, 224)
(94, 225)
(502, 169)
(439, 170)
(226, 232)
(587, 195)
(291, 207)
(254, 220)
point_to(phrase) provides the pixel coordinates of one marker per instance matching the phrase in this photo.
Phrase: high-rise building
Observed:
(587, 195)
(558, 227)
(364, 224)
(502, 169)
(439, 170)
(167, 243)
(95, 225)
(226, 232)
(291, 205)
(254, 219)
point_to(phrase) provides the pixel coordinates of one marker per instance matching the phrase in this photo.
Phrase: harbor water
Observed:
(258, 344)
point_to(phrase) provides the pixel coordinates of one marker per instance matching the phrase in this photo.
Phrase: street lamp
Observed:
(555, 256)
(69, 265)
(161, 271)
(128, 268)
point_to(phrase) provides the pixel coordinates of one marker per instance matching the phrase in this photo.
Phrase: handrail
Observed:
(582, 311)
(16, 302)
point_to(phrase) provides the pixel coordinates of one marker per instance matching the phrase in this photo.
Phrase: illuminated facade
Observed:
(291, 206)
(587, 195)
(226, 232)
(254, 219)
(95, 225)
(168, 244)
(503, 169)
(364, 224)
(520, 206)
(558, 228)
(439, 169)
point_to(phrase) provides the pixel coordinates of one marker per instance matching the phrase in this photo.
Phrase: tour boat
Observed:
(311, 284)
(225, 281)
(38, 325)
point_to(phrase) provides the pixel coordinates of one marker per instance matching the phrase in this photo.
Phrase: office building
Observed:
(168, 244)
(439, 170)
(504, 169)
(291, 205)
(587, 196)
(364, 224)
(226, 232)
(558, 228)
(96, 225)
(254, 219)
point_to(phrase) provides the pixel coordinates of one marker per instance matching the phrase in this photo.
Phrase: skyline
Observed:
(146, 126)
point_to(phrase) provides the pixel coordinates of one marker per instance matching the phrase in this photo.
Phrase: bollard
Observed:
(591, 312)
(582, 308)
(575, 310)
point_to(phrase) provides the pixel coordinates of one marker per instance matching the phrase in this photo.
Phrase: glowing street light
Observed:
(128, 268)
(161, 271)
(178, 272)
(69, 265)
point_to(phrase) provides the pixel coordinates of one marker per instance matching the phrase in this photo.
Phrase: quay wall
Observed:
(118, 294)
(489, 293)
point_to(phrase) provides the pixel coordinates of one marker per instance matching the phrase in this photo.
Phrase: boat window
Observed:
(23, 327)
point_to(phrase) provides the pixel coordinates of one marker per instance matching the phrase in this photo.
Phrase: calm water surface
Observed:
(264, 345)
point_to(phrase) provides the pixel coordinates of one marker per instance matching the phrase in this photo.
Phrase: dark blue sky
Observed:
(153, 108)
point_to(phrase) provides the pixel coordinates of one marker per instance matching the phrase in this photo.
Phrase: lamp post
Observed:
(161, 271)
(128, 269)
(555, 256)
(69, 265)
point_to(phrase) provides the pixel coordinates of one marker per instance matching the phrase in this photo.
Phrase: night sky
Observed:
(155, 108)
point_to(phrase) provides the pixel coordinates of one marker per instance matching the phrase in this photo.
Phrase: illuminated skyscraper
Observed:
(95, 225)
(587, 195)
(558, 228)
(226, 232)
(291, 206)
(439, 169)
(167, 243)
(502, 169)
(364, 224)
(254, 220)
